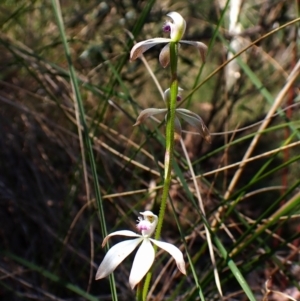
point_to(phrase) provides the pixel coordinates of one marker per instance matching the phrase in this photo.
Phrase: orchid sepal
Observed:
(115, 256)
(139, 48)
(174, 252)
(177, 128)
(164, 56)
(148, 113)
(200, 46)
(140, 266)
(195, 121)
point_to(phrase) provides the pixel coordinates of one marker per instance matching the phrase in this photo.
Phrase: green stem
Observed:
(169, 137)
(169, 151)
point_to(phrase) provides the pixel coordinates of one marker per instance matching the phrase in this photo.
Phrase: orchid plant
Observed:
(169, 55)
(145, 255)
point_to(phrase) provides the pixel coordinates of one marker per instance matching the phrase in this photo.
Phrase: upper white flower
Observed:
(176, 29)
(190, 117)
(145, 255)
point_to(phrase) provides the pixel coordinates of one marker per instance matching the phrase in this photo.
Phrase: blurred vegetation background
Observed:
(50, 232)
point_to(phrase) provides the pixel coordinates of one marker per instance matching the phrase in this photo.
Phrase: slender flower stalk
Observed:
(169, 150)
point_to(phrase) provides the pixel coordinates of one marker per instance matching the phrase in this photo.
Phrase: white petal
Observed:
(115, 256)
(122, 233)
(167, 96)
(139, 48)
(142, 262)
(195, 121)
(148, 113)
(200, 46)
(164, 56)
(174, 252)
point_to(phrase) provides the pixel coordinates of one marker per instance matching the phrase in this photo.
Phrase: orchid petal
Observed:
(177, 128)
(167, 97)
(142, 262)
(115, 256)
(174, 252)
(164, 56)
(178, 26)
(195, 121)
(139, 48)
(148, 113)
(200, 46)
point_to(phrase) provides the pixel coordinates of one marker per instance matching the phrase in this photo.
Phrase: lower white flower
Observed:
(145, 255)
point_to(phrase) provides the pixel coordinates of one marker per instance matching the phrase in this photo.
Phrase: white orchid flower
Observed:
(176, 29)
(145, 255)
(190, 117)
